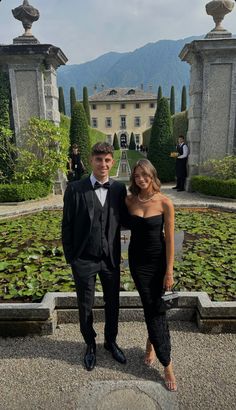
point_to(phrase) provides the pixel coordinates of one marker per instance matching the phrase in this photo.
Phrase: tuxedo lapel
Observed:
(88, 194)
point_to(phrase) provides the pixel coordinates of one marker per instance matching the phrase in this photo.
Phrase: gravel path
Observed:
(46, 372)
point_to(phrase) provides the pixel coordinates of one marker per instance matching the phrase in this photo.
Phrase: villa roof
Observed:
(122, 94)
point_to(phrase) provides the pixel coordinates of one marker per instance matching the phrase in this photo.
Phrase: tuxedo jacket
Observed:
(78, 213)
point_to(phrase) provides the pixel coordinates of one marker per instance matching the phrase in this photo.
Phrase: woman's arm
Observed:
(169, 239)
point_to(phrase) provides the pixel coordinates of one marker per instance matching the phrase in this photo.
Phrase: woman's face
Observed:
(142, 179)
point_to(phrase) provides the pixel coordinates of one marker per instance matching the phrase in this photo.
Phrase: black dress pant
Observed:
(148, 279)
(85, 272)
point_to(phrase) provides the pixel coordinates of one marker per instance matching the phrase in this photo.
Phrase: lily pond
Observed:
(32, 261)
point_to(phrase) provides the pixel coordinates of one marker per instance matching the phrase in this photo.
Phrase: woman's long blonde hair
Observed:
(150, 170)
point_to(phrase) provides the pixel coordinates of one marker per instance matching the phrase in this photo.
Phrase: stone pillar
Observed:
(32, 74)
(212, 111)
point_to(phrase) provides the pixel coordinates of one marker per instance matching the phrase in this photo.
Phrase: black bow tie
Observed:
(97, 185)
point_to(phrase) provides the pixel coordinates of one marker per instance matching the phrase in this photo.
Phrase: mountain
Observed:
(151, 65)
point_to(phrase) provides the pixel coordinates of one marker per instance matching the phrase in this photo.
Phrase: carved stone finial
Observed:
(218, 9)
(27, 14)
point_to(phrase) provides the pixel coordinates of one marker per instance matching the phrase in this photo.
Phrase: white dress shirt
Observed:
(100, 192)
(185, 151)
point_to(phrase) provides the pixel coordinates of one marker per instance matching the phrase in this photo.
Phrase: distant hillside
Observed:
(151, 65)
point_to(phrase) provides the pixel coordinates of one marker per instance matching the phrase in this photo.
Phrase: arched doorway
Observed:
(123, 141)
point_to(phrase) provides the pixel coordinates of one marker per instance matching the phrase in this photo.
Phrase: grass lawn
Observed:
(32, 261)
(117, 154)
(133, 157)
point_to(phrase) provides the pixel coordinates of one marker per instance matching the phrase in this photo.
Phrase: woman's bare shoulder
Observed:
(166, 202)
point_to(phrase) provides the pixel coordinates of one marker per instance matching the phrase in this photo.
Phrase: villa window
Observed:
(131, 91)
(122, 106)
(94, 122)
(137, 105)
(94, 107)
(137, 121)
(152, 105)
(108, 106)
(137, 138)
(151, 120)
(113, 92)
(123, 121)
(108, 122)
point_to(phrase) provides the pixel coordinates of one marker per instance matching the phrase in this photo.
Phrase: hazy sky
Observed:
(86, 29)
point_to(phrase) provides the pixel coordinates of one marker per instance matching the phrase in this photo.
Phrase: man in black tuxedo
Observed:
(93, 209)
(181, 164)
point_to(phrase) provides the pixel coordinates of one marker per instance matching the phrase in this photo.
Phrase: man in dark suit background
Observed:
(93, 209)
(181, 164)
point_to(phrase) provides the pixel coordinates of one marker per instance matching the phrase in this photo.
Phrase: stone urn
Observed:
(218, 9)
(27, 14)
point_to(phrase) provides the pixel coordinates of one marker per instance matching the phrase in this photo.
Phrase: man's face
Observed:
(101, 165)
(75, 151)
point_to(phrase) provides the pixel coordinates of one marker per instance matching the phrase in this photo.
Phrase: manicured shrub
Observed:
(61, 101)
(161, 142)
(159, 93)
(180, 124)
(86, 104)
(24, 192)
(79, 133)
(184, 99)
(214, 186)
(115, 142)
(172, 100)
(132, 144)
(72, 99)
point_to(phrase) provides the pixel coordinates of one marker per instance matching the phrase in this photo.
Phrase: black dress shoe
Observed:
(116, 352)
(174, 187)
(90, 357)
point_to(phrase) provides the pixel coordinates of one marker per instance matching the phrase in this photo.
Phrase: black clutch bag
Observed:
(170, 299)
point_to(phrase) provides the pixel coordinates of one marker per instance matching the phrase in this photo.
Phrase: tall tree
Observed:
(86, 104)
(132, 144)
(184, 99)
(159, 93)
(79, 132)
(161, 142)
(61, 102)
(172, 100)
(115, 142)
(72, 99)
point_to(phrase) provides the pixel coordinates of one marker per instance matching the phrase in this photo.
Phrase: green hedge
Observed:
(180, 124)
(214, 186)
(24, 192)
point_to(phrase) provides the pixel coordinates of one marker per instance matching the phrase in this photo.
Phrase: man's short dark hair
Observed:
(102, 148)
(75, 146)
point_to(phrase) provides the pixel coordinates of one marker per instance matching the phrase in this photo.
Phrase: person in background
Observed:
(151, 259)
(181, 164)
(76, 166)
(92, 215)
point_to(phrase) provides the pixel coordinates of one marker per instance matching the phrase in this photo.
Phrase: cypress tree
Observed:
(172, 100)
(116, 143)
(132, 144)
(86, 104)
(79, 132)
(184, 99)
(159, 93)
(161, 142)
(61, 102)
(72, 99)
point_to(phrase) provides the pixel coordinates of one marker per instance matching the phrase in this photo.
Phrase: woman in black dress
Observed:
(151, 259)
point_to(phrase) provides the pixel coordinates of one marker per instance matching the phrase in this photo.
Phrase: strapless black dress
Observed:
(147, 251)
(147, 261)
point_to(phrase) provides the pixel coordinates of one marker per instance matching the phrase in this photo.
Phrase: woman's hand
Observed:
(168, 281)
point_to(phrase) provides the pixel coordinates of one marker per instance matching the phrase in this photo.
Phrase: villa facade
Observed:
(123, 111)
